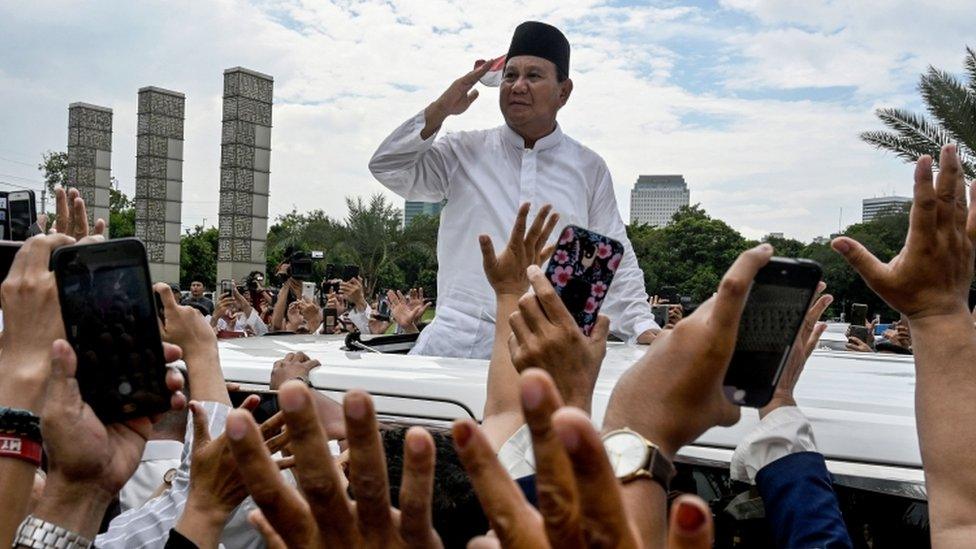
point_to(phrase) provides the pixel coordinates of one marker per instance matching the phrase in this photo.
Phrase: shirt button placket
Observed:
(527, 178)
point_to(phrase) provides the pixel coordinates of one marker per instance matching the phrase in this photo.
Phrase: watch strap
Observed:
(40, 534)
(660, 467)
(20, 422)
(21, 447)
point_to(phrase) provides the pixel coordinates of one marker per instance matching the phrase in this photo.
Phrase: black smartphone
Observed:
(350, 272)
(8, 250)
(330, 316)
(110, 320)
(226, 288)
(778, 300)
(23, 215)
(859, 315)
(267, 408)
(4, 216)
(669, 294)
(660, 313)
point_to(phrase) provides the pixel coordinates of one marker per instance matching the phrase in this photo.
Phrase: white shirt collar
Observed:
(546, 142)
(162, 449)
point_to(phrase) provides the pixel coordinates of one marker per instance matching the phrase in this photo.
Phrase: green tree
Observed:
(198, 256)
(785, 247)
(122, 214)
(951, 104)
(54, 166)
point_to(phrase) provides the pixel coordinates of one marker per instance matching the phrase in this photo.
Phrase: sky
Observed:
(758, 103)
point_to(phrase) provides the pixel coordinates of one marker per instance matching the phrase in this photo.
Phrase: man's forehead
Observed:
(528, 62)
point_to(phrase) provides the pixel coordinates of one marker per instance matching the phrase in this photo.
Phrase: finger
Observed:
(552, 304)
(250, 403)
(515, 239)
(520, 329)
(61, 209)
(62, 390)
(601, 503)
(555, 484)
(946, 184)
(484, 542)
(271, 538)
(971, 219)
(285, 462)
(471, 97)
(417, 488)
(171, 352)
(532, 312)
(272, 426)
(734, 287)
(281, 504)
(79, 218)
(488, 258)
(99, 227)
(864, 262)
(690, 525)
(514, 521)
(601, 330)
(470, 79)
(545, 254)
(532, 238)
(922, 216)
(34, 258)
(812, 328)
(166, 296)
(201, 433)
(367, 467)
(315, 469)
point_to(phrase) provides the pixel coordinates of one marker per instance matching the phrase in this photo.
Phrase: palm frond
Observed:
(970, 63)
(951, 103)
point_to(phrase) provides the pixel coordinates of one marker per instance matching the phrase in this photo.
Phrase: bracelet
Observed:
(20, 447)
(19, 422)
(40, 534)
(304, 380)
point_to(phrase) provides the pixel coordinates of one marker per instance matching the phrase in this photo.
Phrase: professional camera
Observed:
(300, 264)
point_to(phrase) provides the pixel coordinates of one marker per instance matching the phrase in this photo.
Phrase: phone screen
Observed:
(660, 313)
(110, 319)
(581, 270)
(350, 272)
(226, 288)
(859, 314)
(22, 214)
(778, 300)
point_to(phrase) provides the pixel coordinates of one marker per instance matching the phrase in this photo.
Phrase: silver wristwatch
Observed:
(39, 534)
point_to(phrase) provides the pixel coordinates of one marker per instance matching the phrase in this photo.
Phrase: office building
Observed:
(412, 209)
(655, 199)
(875, 207)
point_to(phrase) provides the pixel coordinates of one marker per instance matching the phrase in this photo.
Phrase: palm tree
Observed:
(951, 104)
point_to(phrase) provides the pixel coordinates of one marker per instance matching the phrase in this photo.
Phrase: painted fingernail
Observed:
(235, 427)
(531, 396)
(690, 517)
(291, 399)
(462, 434)
(355, 406)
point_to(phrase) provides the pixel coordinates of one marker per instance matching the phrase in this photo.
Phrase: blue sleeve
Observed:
(801, 506)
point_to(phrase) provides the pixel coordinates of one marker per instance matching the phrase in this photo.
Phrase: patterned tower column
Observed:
(244, 170)
(90, 156)
(159, 180)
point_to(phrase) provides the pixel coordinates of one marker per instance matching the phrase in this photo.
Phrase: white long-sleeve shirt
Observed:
(485, 176)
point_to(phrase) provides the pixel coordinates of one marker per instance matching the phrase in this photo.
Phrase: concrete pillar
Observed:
(159, 179)
(244, 172)
(90, 156)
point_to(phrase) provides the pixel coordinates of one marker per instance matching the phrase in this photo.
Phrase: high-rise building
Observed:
(413, 208)
(875, 207)
(655, 198)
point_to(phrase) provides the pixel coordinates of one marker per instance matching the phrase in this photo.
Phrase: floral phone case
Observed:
(581, 270)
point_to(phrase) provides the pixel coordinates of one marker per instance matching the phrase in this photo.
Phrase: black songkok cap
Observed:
(541, 40)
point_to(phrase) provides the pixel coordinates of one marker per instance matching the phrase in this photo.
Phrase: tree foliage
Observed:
(54, 166)
(198, 256)
(122, 214)
(951, 106)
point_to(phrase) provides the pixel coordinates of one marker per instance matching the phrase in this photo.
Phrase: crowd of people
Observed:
(295, 468)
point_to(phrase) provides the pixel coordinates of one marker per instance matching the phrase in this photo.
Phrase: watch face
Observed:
(627, 452)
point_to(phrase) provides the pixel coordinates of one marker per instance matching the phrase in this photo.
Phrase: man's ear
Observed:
(565, 90)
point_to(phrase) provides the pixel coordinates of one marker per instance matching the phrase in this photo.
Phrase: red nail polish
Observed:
(690, 517)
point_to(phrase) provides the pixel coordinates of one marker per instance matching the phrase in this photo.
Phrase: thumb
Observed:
(600, 330)
(863, 261)
(63, 366)
(201, 433)
(691, 524)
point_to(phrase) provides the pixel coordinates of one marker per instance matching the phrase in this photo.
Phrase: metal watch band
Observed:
(15, 421)
(39, 534)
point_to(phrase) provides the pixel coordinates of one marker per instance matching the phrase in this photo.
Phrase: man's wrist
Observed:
(24, 390)
(74, 506)
(202, 524)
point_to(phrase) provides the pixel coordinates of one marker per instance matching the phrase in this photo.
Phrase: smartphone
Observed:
(859, 314)
(308, 290)
(778, 300)
(350, 272)
(330, 316)
(4, 220)
(23, 215)
(226, 288)
(110, 320)
(383, 310)
(267, 408)
(8, 250)
(669, 294)
(660, 313)
(581, 269)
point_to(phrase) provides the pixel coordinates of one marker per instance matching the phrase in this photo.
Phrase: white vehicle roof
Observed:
(861, 405)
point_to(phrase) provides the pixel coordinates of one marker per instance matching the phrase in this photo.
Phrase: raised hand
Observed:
(806, 342)
(72, 216)
(406, 312)
(545, 336)
(932, 273)
(506, 270)
(352, 291)
(321, 514)
(455, 100)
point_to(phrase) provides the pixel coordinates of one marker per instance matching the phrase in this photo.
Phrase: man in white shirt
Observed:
(486, 175)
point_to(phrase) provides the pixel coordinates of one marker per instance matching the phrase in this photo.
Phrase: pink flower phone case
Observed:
(581, 270)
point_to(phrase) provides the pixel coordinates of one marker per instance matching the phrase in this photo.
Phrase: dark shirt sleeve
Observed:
(801, 506)
(178, 541)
